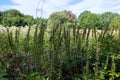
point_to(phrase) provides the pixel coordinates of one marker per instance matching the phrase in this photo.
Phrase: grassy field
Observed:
(40, 53)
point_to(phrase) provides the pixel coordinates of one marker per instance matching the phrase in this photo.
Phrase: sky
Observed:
(31, 7)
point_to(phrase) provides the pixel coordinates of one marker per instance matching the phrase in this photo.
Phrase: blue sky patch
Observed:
(75, 2)
(6, 2)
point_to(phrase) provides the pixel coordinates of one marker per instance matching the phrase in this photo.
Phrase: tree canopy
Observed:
(62, 18)
(89, 20)
(15, 18)
(86, 19)
(106, 18)
(115, 23)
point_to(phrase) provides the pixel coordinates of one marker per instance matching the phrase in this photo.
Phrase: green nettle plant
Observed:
(61, 48)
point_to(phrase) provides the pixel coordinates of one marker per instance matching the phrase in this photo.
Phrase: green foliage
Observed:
(58, 50)
(15, 18)
(11, 18)
(89, 20)
(2, 74)
(30, 76)
(1, 16)
(115, 23)
(41, 21)
(106, 18)
(63, 18)
(28, 20)
(83, 14)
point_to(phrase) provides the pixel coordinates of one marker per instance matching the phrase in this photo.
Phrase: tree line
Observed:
(15, 18)
(86, 19)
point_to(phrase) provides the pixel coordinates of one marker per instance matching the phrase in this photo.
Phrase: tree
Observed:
(28, 20)
(6, 22)
(17, 21)
(83, 14)
(11, 18)
(89, 20)
(66, 18)
(15, 18)
(115, 23)
(106, 18)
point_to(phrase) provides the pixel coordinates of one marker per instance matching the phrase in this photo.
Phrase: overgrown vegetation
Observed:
(63, 48)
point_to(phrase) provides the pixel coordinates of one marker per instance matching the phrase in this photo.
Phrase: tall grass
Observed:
(62, 53)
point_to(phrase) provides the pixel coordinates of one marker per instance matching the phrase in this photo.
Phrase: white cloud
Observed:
(96, 6)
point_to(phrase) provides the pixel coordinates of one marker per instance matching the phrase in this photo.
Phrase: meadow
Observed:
(64, 54)
(60, 50)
